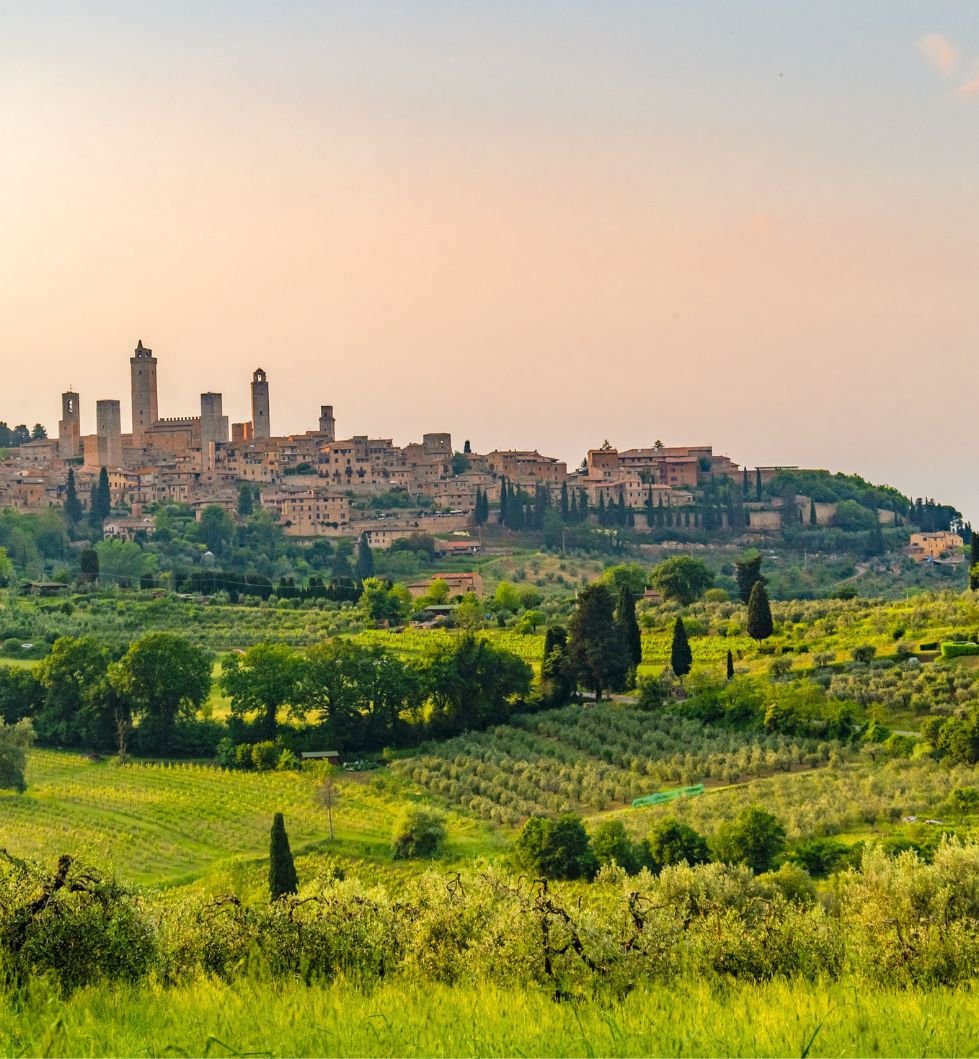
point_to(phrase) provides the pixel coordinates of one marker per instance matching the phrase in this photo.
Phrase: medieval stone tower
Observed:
(108, 431)
(328, 425)
(214, 428)
(70, 427)
(260, 405)
(145, 409)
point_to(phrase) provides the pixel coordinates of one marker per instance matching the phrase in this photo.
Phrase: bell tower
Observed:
(142, 367)
(260, 405)
(70, 426)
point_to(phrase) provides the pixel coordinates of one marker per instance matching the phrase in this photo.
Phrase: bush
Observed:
(864, 654)
(265, 755)
(418, 833)
(756, 838)
(957, 650)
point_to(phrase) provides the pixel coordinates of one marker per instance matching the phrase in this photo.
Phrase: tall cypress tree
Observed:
(758, 483)
(565, 506)
(730, 665)
(73, 506)
(745, 487)
(103, 495)
(746, 572)
(365, 559)
(813, 520)
(282, 869)
(974, 561)
(601, 509)
(504, 502)
(625, 616)
(681, 657)
(760, 625)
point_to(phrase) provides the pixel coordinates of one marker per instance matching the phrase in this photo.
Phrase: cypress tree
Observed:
(681, 657)
(93, 508)
(365, 559)
(103, 495)
(621, 515)
(583, 505)
(746, 572)
(601, 509)
(745, 488)
(758, 483)
(503, 502)
(565, 508)
(73, 506)
(813, 521)
(974, 562)
(730, 665)
(573, 511)
(760, 625)
(625, 617)
(282, 870)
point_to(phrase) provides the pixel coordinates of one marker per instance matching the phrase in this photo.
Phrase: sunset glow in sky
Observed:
(533, 225)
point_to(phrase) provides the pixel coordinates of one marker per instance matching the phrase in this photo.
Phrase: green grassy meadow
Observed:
(258, 1018)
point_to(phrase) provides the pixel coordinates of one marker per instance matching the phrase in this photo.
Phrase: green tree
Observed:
(557, 679)
(813, 518)
(163, 678)
(730, 665)
(747, 571)
(15, 741)
(611, 844)
(78, 708)
(672, 842)
(681, 657)
(382, 601)
(21, 693)
(122, 562)
(473, 683)
(246, 500)
(682, 578)
(6, 569)
(103, 496)
(418, 833)
(633, 575)
(365, 559)
(625, 617)
(88, 566)
(261, 682)
(73, 506)
(760, 625)
(215, 528)
(755, 838)
(283, 879)
(556, 849)
(598, 653)
(974, 561)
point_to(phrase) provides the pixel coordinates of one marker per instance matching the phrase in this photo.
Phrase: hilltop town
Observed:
(317, 485)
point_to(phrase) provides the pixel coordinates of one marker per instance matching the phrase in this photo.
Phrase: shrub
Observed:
(957, 650)
(265, 755)
(418, 833)
(755, 838)
(864, 654)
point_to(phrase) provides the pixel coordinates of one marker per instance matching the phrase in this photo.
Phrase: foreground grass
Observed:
(691, 1018)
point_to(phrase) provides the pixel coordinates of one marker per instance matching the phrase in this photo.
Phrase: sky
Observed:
(535, 225)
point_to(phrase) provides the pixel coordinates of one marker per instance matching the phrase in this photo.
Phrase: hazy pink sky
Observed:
(533, 225)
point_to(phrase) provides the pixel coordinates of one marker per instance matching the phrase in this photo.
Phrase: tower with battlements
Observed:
(145, 407)
(70, 427)
(260, 405)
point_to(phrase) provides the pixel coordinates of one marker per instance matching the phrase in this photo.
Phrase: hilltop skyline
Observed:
(534, 229)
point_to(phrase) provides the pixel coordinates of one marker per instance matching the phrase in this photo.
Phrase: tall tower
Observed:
(70, 427)
(108, 431)
(214, 428)
(328, 425)
(260, 404)
(142, 366)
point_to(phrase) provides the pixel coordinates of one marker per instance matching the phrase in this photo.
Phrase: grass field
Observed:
(171, 824)
(252, 1017)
